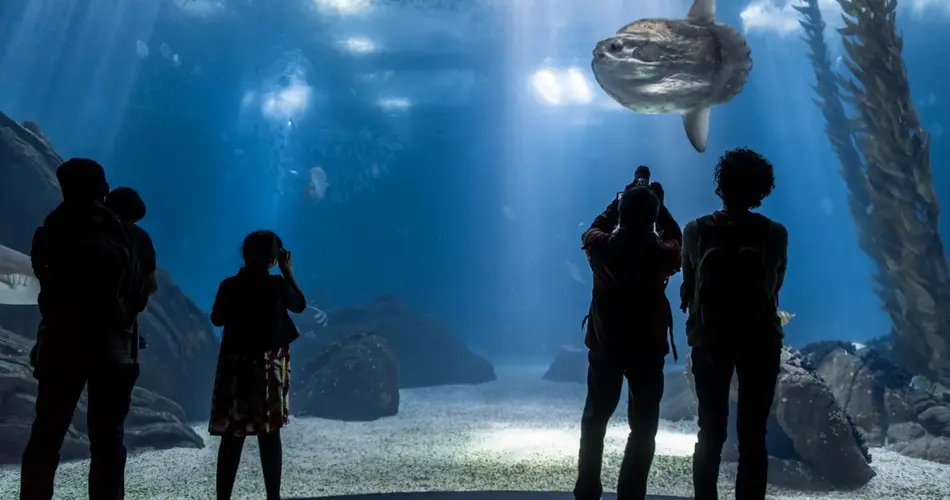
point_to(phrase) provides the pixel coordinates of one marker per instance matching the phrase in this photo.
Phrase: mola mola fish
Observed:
(686, 66)
(18, 285)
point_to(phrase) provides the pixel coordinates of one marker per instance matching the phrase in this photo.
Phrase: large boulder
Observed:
(878, 395)
(355, 380)
(180, 360)
(428, 352)
(154, 422)
(813, 444)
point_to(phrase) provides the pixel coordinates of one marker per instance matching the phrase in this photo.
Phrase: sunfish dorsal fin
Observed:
(702, 12)
(696, 122)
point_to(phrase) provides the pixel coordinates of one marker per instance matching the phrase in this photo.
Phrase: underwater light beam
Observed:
(394, 104)
(552, 443)
(288, 102)
(561, 87)
(343, 7)
(358, 45)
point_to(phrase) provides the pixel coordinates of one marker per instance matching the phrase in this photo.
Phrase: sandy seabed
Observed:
(517, 433)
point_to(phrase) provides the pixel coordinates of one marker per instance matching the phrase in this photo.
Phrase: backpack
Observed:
(733, 291)
(93, 279)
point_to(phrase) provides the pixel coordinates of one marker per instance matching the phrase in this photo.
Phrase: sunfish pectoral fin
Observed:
(696, 122)
(702, 12)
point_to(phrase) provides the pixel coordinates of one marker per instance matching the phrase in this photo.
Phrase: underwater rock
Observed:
(180, 360)
(570, 365)
(877, 395)
(933, 448)
(678, 401)
(428, 352)
(355, 380)
(154, 422)
(811, 439)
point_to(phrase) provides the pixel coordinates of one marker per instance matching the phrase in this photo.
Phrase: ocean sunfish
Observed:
(18, 286)
(684, 66)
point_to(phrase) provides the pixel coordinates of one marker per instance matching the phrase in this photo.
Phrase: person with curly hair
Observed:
(734, 264)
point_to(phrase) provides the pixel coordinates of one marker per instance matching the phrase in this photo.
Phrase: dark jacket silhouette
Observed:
(82, 256)
(744, 338)
(627, 327)
(629, 308)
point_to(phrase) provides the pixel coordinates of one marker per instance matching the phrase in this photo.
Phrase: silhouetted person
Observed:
(91, 290)
(253, 375)
(733, 268)
(126, 203)
(627, 329)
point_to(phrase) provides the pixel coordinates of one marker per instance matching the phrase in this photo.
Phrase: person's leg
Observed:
(108, 399)
(271, 462)
(712, 376)
(757, 372)
(604, 383)
(645, 383)
(58, 390)
(229, 458)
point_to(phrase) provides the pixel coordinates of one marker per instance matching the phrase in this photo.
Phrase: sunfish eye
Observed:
(615, 47)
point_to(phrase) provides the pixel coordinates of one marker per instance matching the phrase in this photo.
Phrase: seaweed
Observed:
(885, 161)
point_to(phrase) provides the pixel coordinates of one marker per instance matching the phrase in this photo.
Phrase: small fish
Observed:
(785, 317)
(318, 185)
(921, 383)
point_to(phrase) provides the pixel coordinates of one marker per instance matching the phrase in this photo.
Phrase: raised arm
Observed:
(600, 230)
(294, 298)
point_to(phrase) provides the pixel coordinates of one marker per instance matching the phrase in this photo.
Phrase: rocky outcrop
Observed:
(812, 442)
(881, 401)
(154, 422)
(570, 365)
(428, 352)
(180, 360)
(356, 379)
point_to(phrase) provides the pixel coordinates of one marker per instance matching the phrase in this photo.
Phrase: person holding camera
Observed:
(633, 248)
(253, 373)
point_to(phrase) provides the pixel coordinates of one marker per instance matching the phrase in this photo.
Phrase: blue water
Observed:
(476, 214)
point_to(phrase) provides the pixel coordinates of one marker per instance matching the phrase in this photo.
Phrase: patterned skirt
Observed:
(251, 393)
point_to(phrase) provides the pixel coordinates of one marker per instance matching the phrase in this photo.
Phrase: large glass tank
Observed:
(432, 165)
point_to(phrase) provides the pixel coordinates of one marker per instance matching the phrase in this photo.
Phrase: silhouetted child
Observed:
(126, 203)
(253, 373)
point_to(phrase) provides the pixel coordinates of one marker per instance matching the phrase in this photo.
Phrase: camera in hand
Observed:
(641, 178)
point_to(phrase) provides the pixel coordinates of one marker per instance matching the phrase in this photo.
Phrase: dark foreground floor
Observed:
(478, 495)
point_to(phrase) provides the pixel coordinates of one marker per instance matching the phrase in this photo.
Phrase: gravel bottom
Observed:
(518, 433)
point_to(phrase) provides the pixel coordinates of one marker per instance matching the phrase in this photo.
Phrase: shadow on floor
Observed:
(478, 495)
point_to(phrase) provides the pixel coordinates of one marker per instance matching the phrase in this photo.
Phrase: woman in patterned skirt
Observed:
(253, 376)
